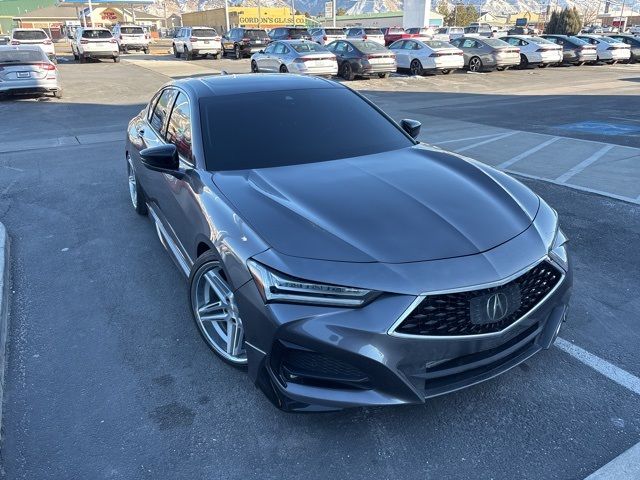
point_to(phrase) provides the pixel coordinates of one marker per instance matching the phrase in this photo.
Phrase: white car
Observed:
(373, 34)
(535, 50)
(197, 41)
(94, 43)
(34, 36)
(446, 34)
(422, 33)
(324, 36)
(26, 69)
(608, 49)
(420, 56)
(295, 56)
(131, 37)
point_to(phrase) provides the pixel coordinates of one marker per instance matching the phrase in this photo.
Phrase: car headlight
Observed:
(558, 250)
(278, 287)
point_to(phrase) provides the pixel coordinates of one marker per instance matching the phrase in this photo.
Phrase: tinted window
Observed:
(308, 47)
(29, 35)
(22, 56)
(372, 31)
(469, 43)
(255, 34)
(162, 109)
(333, 31)
(437, 44)
(132, 30)
(369, 47)
(397, 45)
(310, 120)
(179, 129)
(96, 34)
(494, 42)
(204, 32)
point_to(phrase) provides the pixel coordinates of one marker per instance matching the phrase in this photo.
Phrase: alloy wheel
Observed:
(217, 315)
(415, 67)
(475, 64)
(133, 185)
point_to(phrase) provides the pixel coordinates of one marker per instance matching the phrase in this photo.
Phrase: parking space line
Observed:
(529, 152)
(621, 377)
(584, 164)
(474, 145)
(467, 138)
(624, 466)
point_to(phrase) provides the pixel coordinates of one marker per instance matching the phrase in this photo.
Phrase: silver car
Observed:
(487, 53)
(324, 36)
(295, 56)
(27, 69)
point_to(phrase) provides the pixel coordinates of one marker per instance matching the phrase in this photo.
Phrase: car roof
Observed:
(218, 85)
(4, 48)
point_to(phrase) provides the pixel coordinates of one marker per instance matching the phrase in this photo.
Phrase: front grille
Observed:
(475, 312)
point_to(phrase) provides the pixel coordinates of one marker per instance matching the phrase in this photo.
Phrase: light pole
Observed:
(226, 14)
(334, 5)
(293, 11)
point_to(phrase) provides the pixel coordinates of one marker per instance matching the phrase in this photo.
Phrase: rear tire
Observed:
(116, 59)
(524, 61)
(415, 67)
(384, 75)
(446, 71)
(176, 53)
(475, 64)
(81, 58)
(284, 69)
(501, 69)
(188, 54)
(57, 93)
(146, 51)
(346, 71)
(254, 67)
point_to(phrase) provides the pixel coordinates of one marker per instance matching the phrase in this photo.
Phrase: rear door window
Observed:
(159, 116)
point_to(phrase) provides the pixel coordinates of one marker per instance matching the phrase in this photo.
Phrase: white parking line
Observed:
(529, 152)
(474, 145)
(607, 369)
(467, 138)
(584, 164)
(624, 467)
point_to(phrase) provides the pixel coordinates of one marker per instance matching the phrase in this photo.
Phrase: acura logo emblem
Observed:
(497, 306)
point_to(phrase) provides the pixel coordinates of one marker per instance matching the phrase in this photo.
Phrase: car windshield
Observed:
(308, 47)
(333, 31)
(29, 35)
(132, 31)
(96, 34)
(255, 34)
(204, 33)
(372, 31)
(438, 44)
(494, 42)
(22, 56)
(369, 47)
(303, 127)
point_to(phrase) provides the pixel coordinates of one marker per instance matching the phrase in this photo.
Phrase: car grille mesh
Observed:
(452, 314)
(305, 363)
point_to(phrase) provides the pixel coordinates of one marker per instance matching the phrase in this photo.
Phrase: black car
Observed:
(633, 42)
(290, 33)
(574, 50)
(242, 42)
(362, 58)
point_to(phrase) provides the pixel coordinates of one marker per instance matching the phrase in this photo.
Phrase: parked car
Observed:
(244, 42)
(94, 43)
(634, 45)
(27, 69)
(535, 51)
(324, 36)
(574, 50)
(289, 33)
(5, 40)
(130, 37)
(480, 30)
(362, 58)
(373, 34)
(306, 253)
(487, 53)
(421, 32)
(34, 36)
(421, 56)
(195, 42)
(391, 34)
(609, 50)
(295, 56)
(446, 34)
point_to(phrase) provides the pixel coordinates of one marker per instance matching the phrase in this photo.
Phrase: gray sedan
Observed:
(487, 53)
(350, 265)
(295, 56)
(27, 69)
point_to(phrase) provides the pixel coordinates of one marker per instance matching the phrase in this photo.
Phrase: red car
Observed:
(391, 34)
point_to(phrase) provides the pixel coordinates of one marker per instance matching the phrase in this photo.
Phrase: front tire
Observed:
(254, 67)
(176, 53)
(135, 191)
(116, 59)
(284, 69)
(188, 54)
(215, 310)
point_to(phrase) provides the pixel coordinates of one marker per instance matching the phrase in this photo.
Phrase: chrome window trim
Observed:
(421, 297)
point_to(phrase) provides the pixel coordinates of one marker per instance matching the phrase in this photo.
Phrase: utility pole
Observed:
(226, 14)
(622, 19)
(259, 14)
(334, 5)
(293, 11)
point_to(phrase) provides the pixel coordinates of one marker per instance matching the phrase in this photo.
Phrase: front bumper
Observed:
(382, 368)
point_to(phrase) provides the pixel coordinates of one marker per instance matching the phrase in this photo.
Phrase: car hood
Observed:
(408, 205)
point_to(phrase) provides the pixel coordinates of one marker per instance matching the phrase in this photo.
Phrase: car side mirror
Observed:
(412, 127)
(163, 158)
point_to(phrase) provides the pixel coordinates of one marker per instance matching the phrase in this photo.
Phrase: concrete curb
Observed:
(4, 308)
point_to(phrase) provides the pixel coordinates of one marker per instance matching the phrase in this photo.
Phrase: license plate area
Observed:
(24, 74)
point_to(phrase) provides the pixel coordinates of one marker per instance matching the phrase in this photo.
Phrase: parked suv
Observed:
(446, 34)
(481, 30)
(324, 36)
(373, 34)
(197, 41)
(94, 43)
(243, 42)
(131, 37)
(34, 36)
(290, 33)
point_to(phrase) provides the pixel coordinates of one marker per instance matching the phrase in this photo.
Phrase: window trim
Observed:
(165, 122)
(189, 161)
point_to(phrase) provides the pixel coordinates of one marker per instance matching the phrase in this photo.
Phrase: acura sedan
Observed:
(487, 53)
(420, 56)
(295, 56)
(347, 269)
(362, 58)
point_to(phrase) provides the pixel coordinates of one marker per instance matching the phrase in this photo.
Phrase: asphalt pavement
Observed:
(108, 376)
